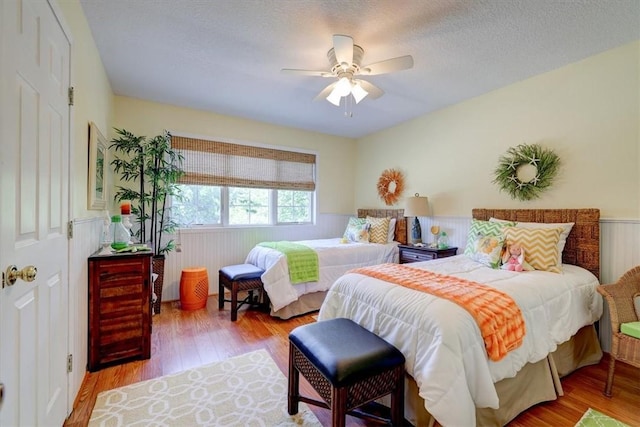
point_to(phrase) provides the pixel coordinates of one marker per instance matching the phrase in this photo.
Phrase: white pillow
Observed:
(392, 230)
(566, 229)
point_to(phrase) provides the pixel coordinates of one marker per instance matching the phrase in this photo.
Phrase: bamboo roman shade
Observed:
(235, 165)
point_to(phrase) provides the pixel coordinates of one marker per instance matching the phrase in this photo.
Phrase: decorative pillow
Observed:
(358, 233)
(566, 229)
(392, 230)
(636, 304)
(488, 250)
(631, 328)
(483, 228)
(379, 229)
(540, 246)
(353, 221)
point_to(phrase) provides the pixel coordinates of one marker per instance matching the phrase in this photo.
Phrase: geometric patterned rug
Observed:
(246, 390)
(593, 418)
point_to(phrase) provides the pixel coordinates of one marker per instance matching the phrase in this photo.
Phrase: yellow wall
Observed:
(335, 155)
(93, 101)
(588, 112)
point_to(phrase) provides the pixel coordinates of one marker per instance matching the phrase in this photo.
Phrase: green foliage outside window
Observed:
(203, 205)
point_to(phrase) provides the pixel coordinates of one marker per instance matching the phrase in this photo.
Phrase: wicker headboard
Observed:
(583, 244)
(398, 214)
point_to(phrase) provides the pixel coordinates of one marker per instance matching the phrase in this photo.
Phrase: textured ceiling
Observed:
(225, 56)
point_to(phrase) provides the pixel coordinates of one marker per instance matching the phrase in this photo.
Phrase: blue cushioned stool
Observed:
(241, 277)
(348, 366)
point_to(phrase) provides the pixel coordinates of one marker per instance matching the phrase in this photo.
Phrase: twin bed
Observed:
(450, 377)
(334, 257)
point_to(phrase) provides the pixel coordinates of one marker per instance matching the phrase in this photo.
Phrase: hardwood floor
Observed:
(186, 339)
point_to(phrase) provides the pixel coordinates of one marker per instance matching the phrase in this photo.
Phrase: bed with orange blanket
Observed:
(456, 374)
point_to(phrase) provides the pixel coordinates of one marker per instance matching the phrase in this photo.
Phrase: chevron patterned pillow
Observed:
(379, 229)
(540, 246)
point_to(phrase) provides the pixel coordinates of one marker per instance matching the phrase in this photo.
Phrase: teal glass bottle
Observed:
(443, 241)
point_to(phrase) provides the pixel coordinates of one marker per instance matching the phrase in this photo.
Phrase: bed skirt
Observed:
(305, 304)
(535, 383)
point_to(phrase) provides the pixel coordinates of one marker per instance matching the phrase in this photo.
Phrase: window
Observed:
(294, 206)
(233, 184)
(200, 204)
(248, 206)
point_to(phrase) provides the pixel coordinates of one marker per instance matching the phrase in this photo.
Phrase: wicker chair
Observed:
(619, 297)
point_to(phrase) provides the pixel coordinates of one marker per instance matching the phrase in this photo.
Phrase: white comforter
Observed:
(334, 259)
(441, 341)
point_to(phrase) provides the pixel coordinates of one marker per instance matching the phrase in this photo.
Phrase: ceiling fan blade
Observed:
(373, 90)
(325, 92)
(343, 48)
(307, 72)
(388, 66)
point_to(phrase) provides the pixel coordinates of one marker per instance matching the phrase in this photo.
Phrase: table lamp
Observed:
(416, 206)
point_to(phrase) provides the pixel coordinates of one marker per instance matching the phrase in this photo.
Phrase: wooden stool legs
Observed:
(337, 398)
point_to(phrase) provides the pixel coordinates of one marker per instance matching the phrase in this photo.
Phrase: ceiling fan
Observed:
(345, 62)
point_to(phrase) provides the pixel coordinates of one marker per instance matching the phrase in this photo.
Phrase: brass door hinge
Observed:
(71, 93)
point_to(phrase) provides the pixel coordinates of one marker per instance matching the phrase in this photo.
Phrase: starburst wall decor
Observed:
(390, 186)
(545, 162)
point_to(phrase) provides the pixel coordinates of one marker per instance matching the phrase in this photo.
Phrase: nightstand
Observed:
(119, 308)
(410, 253)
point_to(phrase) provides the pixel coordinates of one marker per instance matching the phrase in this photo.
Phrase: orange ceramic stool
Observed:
(194, 288)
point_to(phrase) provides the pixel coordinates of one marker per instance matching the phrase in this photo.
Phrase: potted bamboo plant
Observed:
(149, 169)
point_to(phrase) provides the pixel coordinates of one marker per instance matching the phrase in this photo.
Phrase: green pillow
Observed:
(483, 229)
(631, 328)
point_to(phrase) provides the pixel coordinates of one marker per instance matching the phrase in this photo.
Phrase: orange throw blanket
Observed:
(496, 313)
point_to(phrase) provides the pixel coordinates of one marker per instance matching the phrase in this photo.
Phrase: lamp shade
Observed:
(358, 92)
(416, 206)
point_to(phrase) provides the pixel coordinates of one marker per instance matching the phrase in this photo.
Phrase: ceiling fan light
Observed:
(358, 92)
(343, 87)
(334, 97)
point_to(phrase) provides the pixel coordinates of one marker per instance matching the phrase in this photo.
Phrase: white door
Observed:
(34, 204)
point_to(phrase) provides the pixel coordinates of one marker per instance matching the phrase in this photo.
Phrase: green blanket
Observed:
(301, 259)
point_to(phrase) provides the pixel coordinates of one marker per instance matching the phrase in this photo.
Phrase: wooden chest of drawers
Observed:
(119, 308)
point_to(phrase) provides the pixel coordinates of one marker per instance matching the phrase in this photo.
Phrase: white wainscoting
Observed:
(85, 241)
(619, 252)
(215, 248)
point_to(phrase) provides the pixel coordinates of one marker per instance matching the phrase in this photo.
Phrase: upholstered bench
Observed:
(241, 277)
(348, 366)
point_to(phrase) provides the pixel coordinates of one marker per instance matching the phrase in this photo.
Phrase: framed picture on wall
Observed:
(97, 196)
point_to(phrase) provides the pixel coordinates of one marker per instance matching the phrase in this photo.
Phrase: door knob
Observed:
(28, 274)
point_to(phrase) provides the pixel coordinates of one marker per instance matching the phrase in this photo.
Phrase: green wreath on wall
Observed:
(544, 161)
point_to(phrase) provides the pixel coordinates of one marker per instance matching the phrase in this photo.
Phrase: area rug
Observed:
(593, 418)
(247, 390)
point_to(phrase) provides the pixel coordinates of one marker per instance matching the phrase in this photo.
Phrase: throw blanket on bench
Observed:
(301, 259)
(498, 316)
